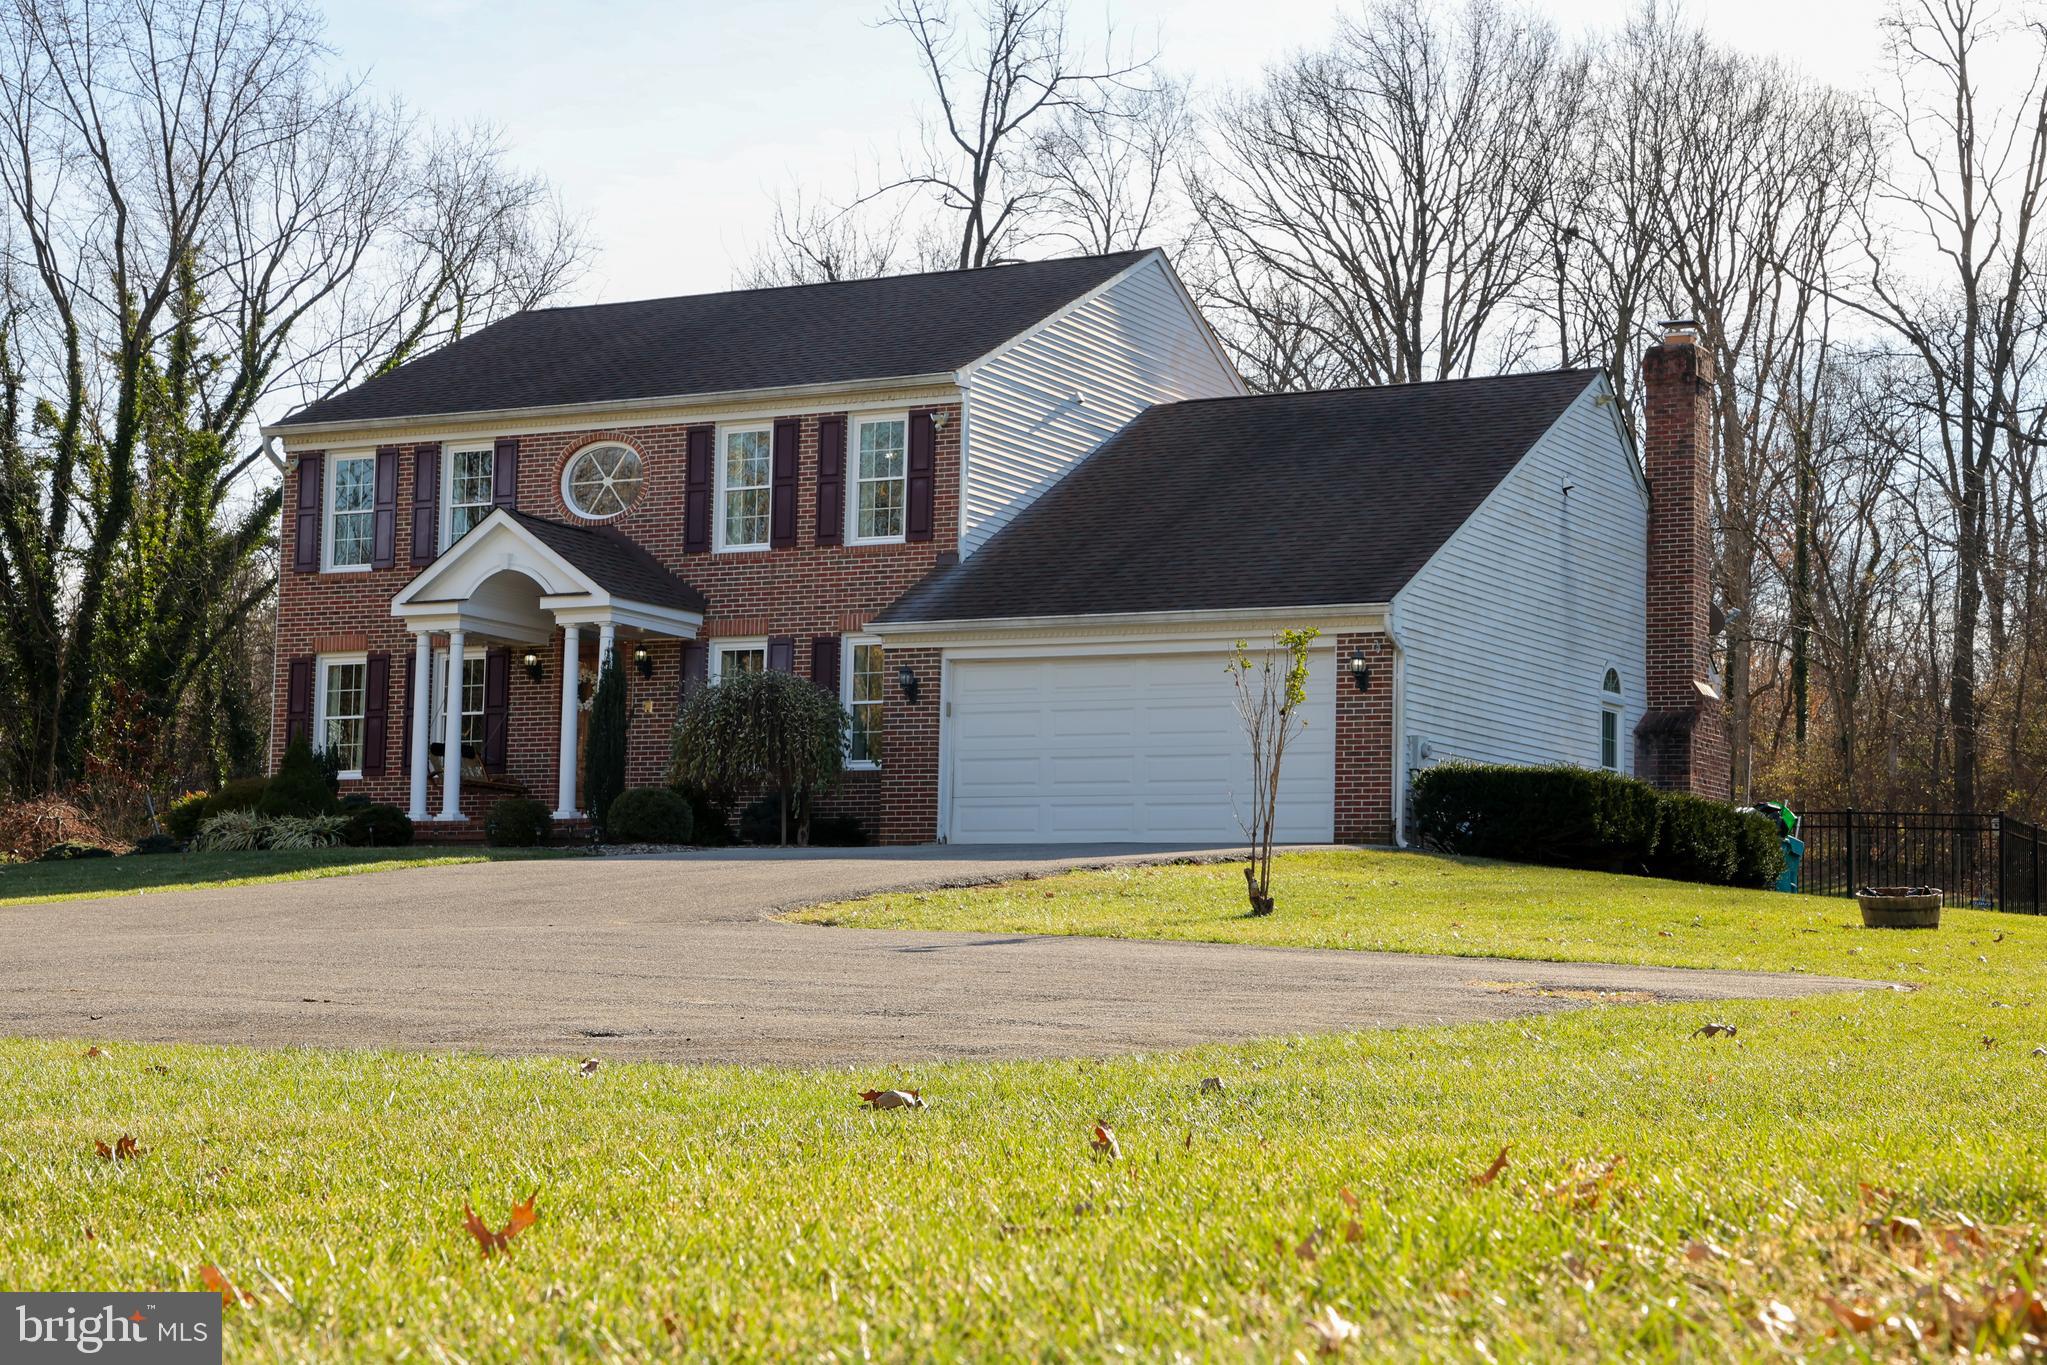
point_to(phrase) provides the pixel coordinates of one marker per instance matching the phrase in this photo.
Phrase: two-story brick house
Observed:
(1013, 518)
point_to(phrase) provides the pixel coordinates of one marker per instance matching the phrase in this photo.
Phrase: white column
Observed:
(422, 718)
(565, 784)
(606, 634)
(451, 734)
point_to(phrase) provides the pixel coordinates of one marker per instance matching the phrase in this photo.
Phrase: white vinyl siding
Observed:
(1510, 630)
(1048, 400)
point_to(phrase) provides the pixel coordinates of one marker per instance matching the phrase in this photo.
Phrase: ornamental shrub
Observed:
(300, 786)
(772, 730)
(604, 757)
(372, 825)
(1697, 840)
(304, 831)
(517, 822)
(1562, 816)
(1759, 851)
(648, 815)
(232, 831)
(156, 842)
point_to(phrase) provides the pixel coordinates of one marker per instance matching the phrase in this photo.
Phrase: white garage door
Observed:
(1141, 748)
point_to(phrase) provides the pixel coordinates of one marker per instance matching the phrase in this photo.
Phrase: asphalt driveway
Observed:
(675, 958)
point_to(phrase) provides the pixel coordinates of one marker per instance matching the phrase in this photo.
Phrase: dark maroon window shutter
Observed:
(831, 480)
(504, 472)
(298, 700)
(782, 653)
(696, 659)
(923, 475)
(426, 503)
(306, 530)
(384, 524)
(376, 709)
(696, 505)
(405, 721)
(497, 706)
(824, 662)
(782, 497)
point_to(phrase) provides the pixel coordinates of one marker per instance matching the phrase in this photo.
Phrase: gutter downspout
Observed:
(1399, 745)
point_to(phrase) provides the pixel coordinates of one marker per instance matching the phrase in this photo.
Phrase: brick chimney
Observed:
(1681, 743)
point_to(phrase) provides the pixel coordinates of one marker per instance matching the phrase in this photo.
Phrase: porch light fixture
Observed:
(938, 421)
(907, 680)
(642, 660)
(1360, 674)
(532, 662)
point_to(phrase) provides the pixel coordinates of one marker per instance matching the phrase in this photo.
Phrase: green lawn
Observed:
(128, 875)
(760, 1214)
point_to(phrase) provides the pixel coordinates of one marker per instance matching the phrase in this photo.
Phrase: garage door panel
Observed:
(1115, 748)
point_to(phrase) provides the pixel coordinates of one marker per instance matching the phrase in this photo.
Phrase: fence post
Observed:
(2003, 828)
(1849, 821)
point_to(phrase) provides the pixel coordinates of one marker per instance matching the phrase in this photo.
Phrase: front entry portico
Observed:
(516, 580)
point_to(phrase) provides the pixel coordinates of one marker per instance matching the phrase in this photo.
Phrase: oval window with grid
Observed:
(602, 481)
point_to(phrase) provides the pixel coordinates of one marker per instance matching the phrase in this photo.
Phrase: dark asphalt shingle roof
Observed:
(1279, 500)
(716, 343)
(616, 564)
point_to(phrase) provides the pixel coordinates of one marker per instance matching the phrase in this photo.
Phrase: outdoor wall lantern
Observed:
(532, 662)
(1360, 674)
(642, 660)
(907, 680)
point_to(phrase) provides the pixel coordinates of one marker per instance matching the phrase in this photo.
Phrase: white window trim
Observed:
(447, 511)
(852, 484)
(327, 511)
(718, 541)
(437, 678)
(846, 647)
(321, 663)
(569, 467)
(715, 663)
(1613, 704)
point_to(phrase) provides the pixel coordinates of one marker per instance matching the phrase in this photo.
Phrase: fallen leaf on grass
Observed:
(1309, 1247)
(1333, 1331)
(1352, 1232)
(94, 1051)
(893, 1099)
(230, 1293)
(1710, 1030)
(1988, 1041)
(1350, 1200)
(588, 1066)
(523, 1217)
(125, 1149)
(1103, 1143)
(1588, 1183)
(157, 1069)
(1699, 1250)
(1212, 1085)
(1492, 1172)
(1856, 1317)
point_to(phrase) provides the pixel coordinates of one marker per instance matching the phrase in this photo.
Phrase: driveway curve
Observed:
(676, 958)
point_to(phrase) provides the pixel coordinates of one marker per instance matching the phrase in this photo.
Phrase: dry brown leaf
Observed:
(588, 1066)
(1713, 1030)
(1699, 1250)
(523, 1217)
(1988, 1041)
(1588, 1183)
(1352, 1232)
(125, 1149)
(230, 1293)
(157, 1069)
(94, 1051)
(1333, 1331)
(1309, 1247)
(1104, 1143)
(1211, 1085)
(1350, 1200)
(1876, 1194)
(1492, 1172)
(893, 1099)
(1856, 1317)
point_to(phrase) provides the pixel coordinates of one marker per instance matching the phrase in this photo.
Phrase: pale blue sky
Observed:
(672, 124)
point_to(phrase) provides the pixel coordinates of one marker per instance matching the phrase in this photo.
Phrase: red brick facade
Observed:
(803, 591)
(1364, 742)
(1681, 743)
(909, 779)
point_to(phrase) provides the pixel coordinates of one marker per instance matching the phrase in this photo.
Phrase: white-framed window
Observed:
(472, 699)
(472, 492)
(862, 683)
(1610, 721)
(603, 481)
(738, 656)
(341, 702)
(746, 466)
(351, 511)
(881, 457)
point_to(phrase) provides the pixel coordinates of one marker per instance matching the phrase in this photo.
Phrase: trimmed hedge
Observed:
(648, 815)
(517, 822)
(373, 825)
(1578, 817)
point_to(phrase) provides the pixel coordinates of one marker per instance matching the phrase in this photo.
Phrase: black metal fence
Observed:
(1979, 860)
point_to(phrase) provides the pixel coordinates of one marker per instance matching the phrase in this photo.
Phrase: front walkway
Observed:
(674, 958)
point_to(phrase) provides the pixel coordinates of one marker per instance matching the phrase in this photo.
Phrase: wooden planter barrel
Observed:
(1899, 907)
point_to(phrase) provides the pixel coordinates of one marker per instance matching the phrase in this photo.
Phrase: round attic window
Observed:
(602, 481)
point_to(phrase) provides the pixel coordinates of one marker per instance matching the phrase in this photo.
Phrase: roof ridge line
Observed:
(1388, 388)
